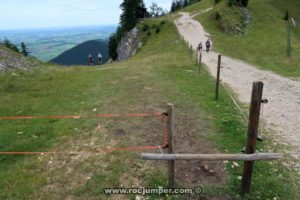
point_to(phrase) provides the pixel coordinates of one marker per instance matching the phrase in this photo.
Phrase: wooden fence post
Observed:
(288, 46)
(218, 77)
(200, 61)
(256, 101)
(171, 163)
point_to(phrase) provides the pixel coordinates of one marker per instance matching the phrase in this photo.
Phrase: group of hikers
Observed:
(99, 59)
(207, 44)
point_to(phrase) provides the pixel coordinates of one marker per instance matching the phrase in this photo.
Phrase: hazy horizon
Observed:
(47, 43)
(36, 14)
(59, 27)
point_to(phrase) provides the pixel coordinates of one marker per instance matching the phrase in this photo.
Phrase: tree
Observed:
(216, 2)
(10, 45)
(240, 2)
(178, 4)
(245, 3)
(113, 43)
(24, 50)
(155, 10)
(128, 21)
(112, 46)
(287, 15)
(173, 6)
(128, 18)
(186, 3)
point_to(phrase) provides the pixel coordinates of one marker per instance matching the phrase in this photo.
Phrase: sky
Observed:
(28, 14)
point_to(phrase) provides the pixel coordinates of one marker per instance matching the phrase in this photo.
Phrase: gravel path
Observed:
(281, 114)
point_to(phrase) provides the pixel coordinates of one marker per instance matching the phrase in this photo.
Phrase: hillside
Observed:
(78, 161)
(264, 41)
(79, 55)
(12, 60)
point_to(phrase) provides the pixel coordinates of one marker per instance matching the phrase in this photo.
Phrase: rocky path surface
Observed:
(281, 114)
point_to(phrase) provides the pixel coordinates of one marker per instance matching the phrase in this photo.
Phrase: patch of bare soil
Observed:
(191, 138)
(68, 173)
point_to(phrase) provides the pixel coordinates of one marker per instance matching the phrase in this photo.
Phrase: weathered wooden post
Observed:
(218, 77)
(288, 39)
(256, 101)
(214, 157)
(171, 163)
(200, 62)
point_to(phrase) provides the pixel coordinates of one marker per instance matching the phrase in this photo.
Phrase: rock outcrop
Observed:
(247, 15)
(13, 60)
(129, 44)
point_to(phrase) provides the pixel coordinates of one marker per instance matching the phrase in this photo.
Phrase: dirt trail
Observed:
(282, 114)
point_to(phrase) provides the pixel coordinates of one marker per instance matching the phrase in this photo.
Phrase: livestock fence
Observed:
(250, 153)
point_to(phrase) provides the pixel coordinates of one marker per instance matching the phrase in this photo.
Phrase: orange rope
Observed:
(141, 148)
(77, 117)
(128, 115)
(28, 153)
(131, 148)
(40, 117)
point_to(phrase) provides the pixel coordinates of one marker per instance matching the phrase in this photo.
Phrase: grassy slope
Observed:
(202, 5)
(265, 42)
(10, 57)
(161, 72)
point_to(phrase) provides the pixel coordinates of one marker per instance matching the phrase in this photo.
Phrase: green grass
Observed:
(264, 43)
(161, 72)
(202, 5)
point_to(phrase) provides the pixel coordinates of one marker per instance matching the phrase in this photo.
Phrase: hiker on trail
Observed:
(199, 48)
(207, 45)
(99, 59)
(91, 59)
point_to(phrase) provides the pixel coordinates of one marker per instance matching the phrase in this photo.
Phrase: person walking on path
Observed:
(99, 59)
(199, 48)
(207, 45)
(90, 60)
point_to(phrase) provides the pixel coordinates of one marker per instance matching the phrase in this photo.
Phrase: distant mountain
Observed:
(47, 43)
(78, 55)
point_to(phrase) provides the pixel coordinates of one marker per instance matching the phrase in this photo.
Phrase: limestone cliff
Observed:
(129, 44)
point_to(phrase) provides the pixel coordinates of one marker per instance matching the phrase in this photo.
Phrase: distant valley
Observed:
(47, 44)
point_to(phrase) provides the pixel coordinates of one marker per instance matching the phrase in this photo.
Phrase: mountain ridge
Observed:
(78, 55)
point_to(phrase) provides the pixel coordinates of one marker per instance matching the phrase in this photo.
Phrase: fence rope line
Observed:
(261, 124)
(235, 102)
(99, 150)
(79, 117)
(237, 105)
(163, 116)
